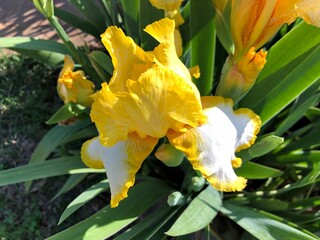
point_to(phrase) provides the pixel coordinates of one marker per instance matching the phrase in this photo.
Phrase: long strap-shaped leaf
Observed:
(203, 42)
(108, 221)
(54, 167)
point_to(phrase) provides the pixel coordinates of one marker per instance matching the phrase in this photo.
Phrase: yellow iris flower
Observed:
(73, 86)
(254, 23)
(151, 96)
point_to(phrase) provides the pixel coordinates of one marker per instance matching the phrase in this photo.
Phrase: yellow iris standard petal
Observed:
(73, 86)
(128, 59)
(166, 54)
(121, 161)
(158, 102)
(211, 146)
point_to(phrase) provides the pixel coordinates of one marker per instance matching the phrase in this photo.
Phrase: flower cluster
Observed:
(151, 96)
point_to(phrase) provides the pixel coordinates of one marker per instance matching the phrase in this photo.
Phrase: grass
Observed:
(27, 99)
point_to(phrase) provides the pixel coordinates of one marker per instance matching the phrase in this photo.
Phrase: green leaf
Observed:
(102, 64)
(264, 146)
(305, 203)
(293, 65)
(131, 17)
(93, 11)
(269, 204)
(71, 182)
(253, 170)
(54, 138)
(29, 43)
(109, 221)
(67, 111)
(299, 156)
(296, 115)
(309, 140)
(142, 229)
(46, 51)
(198, 214)
(264, 226)
(83, 198)
(203, 42)
(78, 22)
(310, 178)
(88, 132)
(313, 114)
(45, 7)
(50, 168)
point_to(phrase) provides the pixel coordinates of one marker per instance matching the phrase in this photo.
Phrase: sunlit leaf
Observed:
(109, 220)
(83, 198)
(253, 170)
(198, 214)
(263, 226)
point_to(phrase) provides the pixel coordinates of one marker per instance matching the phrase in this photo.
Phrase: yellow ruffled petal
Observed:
(164, 32)
(155, 103)
(128, 59)
(168, 5)
(210, 147)
(110, 116)
(121, 161)
(151, 107)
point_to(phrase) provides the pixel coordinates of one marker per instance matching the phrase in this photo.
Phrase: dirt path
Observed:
(20, 18)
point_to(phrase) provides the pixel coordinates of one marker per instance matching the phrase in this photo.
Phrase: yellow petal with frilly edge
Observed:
(151, 107)
(109, 114)
(121, 161)
(211, 146)
(164, 32)
(128, 59)
(157, 102)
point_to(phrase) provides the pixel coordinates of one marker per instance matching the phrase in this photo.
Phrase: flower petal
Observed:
(121, 161)
(110, 116)
(155, 103)
(129, 60)
(164, 32)
(210, 147)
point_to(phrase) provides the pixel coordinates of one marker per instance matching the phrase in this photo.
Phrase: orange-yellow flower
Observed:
(151, 96)
(73, 86)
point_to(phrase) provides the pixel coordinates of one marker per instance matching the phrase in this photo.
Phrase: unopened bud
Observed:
(169, 155)
(175, 199)
(197, 183)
